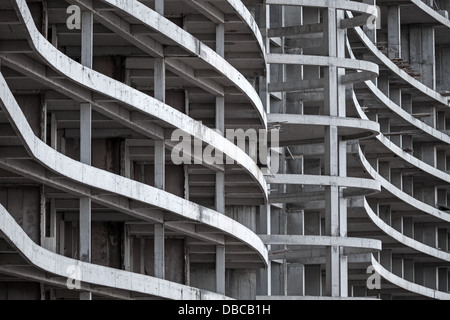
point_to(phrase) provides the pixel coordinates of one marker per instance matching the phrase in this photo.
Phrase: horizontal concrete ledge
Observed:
(298, 240)
(95, 274)
(135, 99)
(407, 285)
(291, 298)
(324, 181)
(335, 4)
(407, 241)
(296, 127)
(118, 185)
(363, 66)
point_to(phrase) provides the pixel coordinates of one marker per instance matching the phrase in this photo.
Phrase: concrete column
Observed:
(87, 36)
(159, 7)
(160, 164)
(220, 269)
(331, 155)
(428, 57)
(220, 176)
(296, 277)
(160, 79)
(159, 265)
(383, 83)
(394, 32)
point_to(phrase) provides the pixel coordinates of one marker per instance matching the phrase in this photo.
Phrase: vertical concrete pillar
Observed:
(159, 7)
(159, 265)
(220, 176)
(160, 164)
(331, 155)
(87, 36)
(394, 30)
(159, 79)
(428, 57)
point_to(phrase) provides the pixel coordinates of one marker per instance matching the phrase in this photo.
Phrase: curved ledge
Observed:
(155, 21)
(131, 97)
(247, 17)
(348, 182)
(419, 205)
(407, 241)
(399, 72)
(406, 116)
(395, 108)
(402, 154)
(431, 12)
(302, 127)
(337, 4)
(119, 185)
(92, 273)
(407, 285)
(368, 70)
(321, 241)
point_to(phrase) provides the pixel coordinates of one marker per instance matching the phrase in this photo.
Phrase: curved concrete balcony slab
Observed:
(298, 129)
(118, 185)
(101, 84)
(407, 285)
(57, 265)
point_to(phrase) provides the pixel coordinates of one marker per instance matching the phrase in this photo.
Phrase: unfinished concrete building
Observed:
(351, 97)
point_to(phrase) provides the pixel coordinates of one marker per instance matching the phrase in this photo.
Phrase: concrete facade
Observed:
(353, 101)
